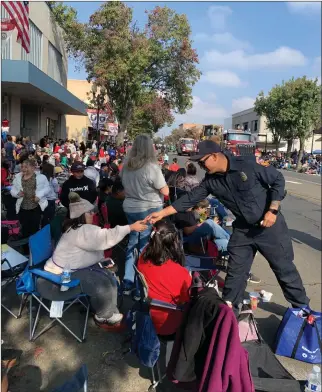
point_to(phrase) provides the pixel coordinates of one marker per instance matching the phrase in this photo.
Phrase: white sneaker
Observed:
(115, 319)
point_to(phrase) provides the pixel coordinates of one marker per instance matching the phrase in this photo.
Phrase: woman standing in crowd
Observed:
(49, 213)
(30, 189)
(145, 188)
(82, 148)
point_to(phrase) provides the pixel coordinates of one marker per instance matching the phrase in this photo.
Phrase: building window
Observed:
(55, 64)
(236, 126)
(255, 126)
(6, 44)
(35, 55)
(245, 126)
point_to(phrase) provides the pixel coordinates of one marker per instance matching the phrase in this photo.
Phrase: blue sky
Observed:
(243, 48)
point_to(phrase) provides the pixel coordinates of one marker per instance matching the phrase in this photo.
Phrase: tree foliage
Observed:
(292, 110)
(153, 114)
(133, 62)
(305, 96)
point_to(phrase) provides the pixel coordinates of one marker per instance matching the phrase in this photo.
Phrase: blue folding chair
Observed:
(41, 249)
(76, 384)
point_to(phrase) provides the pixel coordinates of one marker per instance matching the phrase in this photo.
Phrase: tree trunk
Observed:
(289, 147)
(299, 164)
(277, 145)
(124, 122)
(121, 133)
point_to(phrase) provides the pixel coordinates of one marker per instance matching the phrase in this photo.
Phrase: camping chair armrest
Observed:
(18, 243)
(162, 304)
(54, 278)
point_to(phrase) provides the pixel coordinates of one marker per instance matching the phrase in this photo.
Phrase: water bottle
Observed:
(65, 277)
(313, 383)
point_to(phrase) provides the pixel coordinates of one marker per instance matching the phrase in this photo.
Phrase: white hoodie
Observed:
(42, 189)
(84, 247)
(91, 173)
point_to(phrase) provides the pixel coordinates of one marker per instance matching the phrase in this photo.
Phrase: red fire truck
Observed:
(238, 141)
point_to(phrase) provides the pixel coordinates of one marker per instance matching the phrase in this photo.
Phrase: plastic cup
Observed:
(253, 300)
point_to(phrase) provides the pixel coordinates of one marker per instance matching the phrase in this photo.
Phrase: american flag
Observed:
(19, 12)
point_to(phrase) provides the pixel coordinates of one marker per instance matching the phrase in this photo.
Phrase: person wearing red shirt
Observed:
(161, 263)
(174, 165)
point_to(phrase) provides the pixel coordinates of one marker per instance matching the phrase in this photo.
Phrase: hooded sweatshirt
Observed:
(84, 187)
(91, 173)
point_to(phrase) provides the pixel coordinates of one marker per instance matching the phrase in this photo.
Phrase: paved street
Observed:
(55, 356)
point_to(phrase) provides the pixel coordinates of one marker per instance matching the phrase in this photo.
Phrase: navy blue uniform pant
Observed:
(275, 244)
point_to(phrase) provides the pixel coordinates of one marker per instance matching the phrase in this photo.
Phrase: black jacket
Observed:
(192, 341)
(247, 190)
(85, 187)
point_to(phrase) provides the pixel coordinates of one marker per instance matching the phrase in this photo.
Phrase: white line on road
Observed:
(294, 182)
(309, 182)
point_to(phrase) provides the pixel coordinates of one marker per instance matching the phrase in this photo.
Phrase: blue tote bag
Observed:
(300, 337)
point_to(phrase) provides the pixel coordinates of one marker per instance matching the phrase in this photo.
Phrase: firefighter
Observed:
(253, 193)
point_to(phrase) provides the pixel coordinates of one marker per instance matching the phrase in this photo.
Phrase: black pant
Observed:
(275, 244)
(49, 213)
(30, 221)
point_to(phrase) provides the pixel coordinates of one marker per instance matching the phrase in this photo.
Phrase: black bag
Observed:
(268, 374)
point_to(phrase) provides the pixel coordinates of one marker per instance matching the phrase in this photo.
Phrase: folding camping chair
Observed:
(11, 273)
(40, 245)
(156, 375)
(208, 266)
(7, 278)
(78, 383)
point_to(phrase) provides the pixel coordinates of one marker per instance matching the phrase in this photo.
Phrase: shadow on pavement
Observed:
(273, 307)
(304, 238)
(267, 328)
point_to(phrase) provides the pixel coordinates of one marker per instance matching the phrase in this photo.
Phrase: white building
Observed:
(34, 95)
(248, 119)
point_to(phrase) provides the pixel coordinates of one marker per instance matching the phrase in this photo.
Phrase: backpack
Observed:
(145, 343)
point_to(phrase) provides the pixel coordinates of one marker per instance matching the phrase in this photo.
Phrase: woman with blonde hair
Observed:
(145, 188)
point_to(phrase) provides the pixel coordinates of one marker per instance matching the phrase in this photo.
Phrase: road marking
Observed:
(293, 182)
(309, 182)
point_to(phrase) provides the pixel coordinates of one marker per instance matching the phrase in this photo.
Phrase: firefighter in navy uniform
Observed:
(253, 194)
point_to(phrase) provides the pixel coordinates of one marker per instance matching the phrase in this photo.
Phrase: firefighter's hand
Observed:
(269, 219)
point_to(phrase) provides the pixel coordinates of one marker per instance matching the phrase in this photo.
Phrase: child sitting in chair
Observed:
(161, 263)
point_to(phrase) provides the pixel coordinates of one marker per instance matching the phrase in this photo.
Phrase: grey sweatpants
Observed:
(99, 284)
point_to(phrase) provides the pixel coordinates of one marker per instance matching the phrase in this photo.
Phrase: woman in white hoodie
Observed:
(30, 188)
(80, 249)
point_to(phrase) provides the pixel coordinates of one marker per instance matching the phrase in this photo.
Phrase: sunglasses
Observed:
(202, 164)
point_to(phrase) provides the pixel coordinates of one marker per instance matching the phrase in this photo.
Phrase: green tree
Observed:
(150, 116)
(131, 62)
(177, 134)
(274, 107)
(305, 98)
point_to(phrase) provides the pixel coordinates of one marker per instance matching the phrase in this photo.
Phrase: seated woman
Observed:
(161, 263)
(80, 248)
(176, 184)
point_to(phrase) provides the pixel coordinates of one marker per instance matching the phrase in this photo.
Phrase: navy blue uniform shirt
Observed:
(247, 189)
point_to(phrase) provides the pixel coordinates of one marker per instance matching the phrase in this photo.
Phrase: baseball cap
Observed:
(77, 166)
(204, 148)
